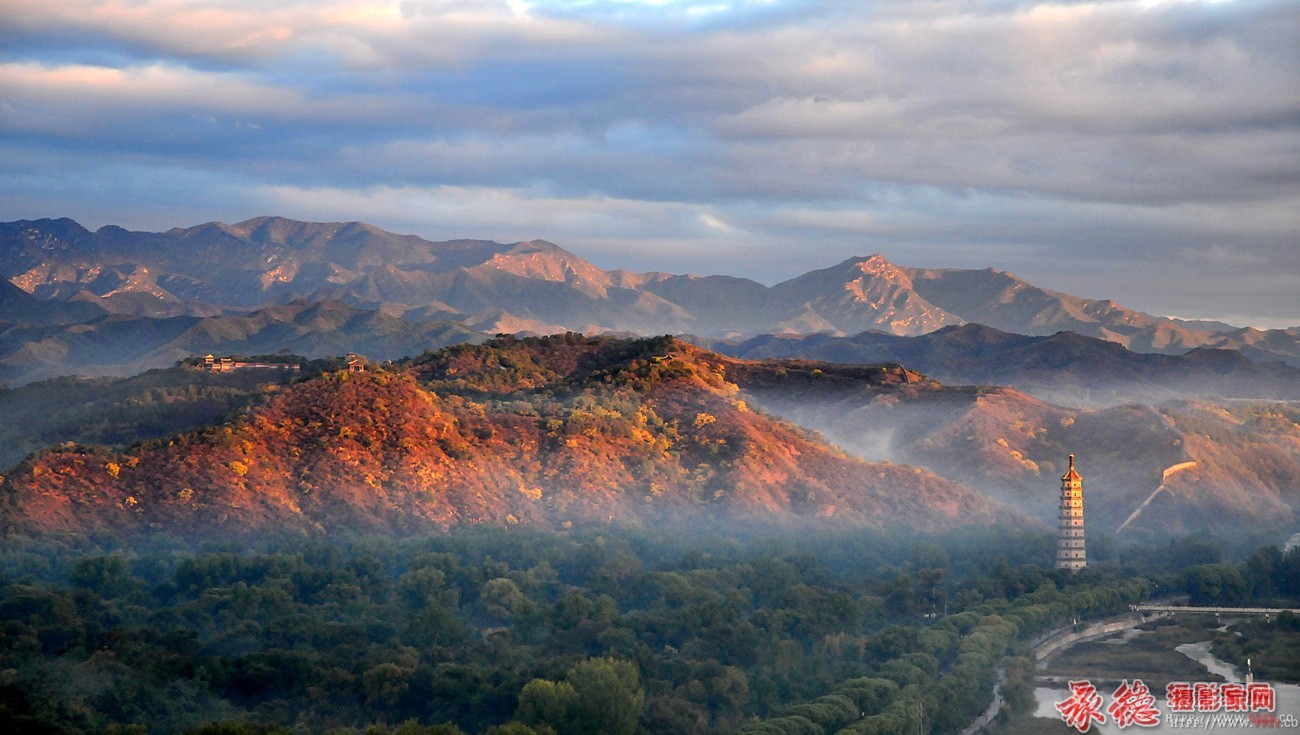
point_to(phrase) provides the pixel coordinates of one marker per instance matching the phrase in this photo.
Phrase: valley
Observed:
(824, 507)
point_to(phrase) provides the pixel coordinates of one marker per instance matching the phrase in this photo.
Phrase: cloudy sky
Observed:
(1141, 150)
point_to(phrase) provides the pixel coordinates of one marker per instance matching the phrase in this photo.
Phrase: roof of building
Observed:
(1070, 475)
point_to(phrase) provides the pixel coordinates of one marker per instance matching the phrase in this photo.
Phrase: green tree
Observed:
(545, 702)
(107, 576)
(1215, 583)
(385, 684)
(609, 697)
(518, 728)
(501, 598)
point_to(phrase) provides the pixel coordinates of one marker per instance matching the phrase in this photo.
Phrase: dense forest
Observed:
(516, 631)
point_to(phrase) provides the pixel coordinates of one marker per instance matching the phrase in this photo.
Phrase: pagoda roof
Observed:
(1071, 474)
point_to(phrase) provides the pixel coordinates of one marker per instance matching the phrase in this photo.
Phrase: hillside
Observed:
(539, 287)
(1011, 447)
(124, 344)
(19, 307)
(1065, 368)
(541, 432)
(120, 412)
(607, 420)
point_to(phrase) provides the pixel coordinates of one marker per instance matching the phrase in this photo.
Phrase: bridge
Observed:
(1186, 609)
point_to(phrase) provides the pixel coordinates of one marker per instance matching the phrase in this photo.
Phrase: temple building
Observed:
(216, 364)
(1070, 553)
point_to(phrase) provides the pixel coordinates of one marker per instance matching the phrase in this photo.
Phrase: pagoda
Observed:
(1070, 553)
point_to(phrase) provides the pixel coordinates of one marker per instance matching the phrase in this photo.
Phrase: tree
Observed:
(519, 728)
(501, 598)
(545, 702)
(609, 697)
(1215, 583)
(108, 576)
(721, 690)
(385, 684)
(1261, 570)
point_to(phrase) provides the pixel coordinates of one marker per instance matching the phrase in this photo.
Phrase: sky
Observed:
(1146, 151)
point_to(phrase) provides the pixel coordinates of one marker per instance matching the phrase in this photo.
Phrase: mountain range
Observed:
(114, 302)
(119, 344)
(538, 286)
(1065, 368)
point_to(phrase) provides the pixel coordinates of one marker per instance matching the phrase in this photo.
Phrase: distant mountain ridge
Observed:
(539, 287)
(1065, 368)
(120, 344)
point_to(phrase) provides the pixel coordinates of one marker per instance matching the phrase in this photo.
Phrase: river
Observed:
(1288, 702)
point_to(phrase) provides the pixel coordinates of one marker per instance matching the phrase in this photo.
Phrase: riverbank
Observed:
(1044, 649)
(1054, 643)
(1156, 652)
(1148, 651)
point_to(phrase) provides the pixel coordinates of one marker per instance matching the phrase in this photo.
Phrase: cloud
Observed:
(1220, 254)
(367, 34)
(510, 214)
(145, 86)
(1012, 133)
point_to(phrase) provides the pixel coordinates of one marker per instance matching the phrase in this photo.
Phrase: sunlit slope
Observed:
(543, 432)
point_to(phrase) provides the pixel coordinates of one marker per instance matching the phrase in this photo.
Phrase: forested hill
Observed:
(543, 432)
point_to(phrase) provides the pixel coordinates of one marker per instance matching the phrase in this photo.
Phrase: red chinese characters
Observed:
(1262, 697)
(1083, 706)
(1208, 696)
(1133, 704)
(1179, 696)
(1234, 698)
